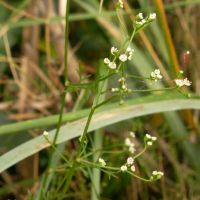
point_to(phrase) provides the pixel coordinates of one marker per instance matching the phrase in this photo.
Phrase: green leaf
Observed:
(111, 114)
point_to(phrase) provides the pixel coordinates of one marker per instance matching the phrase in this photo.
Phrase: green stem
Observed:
(142, 179)
(154, 90)
(137, 77)
(139, 154)
(56, 150)
(69, 176)
(63, 96)
(92, 164)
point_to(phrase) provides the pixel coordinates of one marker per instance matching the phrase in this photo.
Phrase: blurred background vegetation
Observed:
(31, 80)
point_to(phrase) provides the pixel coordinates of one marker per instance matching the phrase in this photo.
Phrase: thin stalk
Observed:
(139, 154)
(100, 6)
(98, 141)
(68, 180)
(154, 90)
(63, 97)
(65, 70)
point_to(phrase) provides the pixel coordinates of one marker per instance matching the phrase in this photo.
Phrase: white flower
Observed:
(154, 138)
(187, 82)
(132, 149)
(182, 82)
(132, 134)
(133, 168)
(149, 143)
(112, 65)
(139, 22)
(140, 15)
(148, 136)
(114, 89)
(102, 162)
(130, 160)
(45, 133)
(131, 145)
(159, 76)
(106, 61)
(124, 87)
(154, 173)
(150, 139)
(179, 82)
(181, 71)
(122, 79)
(121, 4)
(123, 57)
(143, 21)
(157, 174)
(155, 75)
(128, 49)
(160, 173)
(152, 16)
(130, 57)
(113, 50)
(123, 168)
(128, 142)
(157, 71)
(130, 52)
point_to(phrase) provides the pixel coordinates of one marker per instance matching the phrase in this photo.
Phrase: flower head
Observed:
(45, 133)
(132, 149)
(152, 16)
(130, 161)
(129, 51)
(106, 61)
(132, 134)
(102, 162)
(121, 4)
(149, 139)
(155, 75)
(133, 168)
(140, 15)
(123, 57)
(123, 168)
(182, 82)
(130, 145)
(113, 50)
(112, 65)
(156, 175)
(149, 143)
(115, 90)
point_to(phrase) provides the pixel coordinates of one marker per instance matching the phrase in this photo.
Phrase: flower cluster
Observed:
(130, 144)
(111, 65)
(140, 20)
(149, 139)
(120, 3)
(123, 84)
(182, 82)
(155, 75)
(122, 57)
(123, 88)
(127, 55)
(129, 163)
(45, 134)
(102, 162)
(156, 175)
(113, 50)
